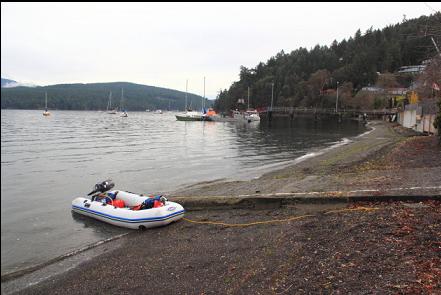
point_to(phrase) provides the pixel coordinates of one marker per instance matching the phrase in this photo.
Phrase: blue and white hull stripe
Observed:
(129, 220)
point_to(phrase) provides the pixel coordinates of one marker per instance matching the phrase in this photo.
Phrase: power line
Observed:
(437, 12)
(430, 7)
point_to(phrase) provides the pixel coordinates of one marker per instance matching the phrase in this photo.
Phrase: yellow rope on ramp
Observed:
(275, 220)
(353, 209)
(247, 224)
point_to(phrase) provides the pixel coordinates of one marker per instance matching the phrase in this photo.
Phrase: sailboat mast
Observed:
(45, 100)
(186, 92)
(110, 100)
(122, 94)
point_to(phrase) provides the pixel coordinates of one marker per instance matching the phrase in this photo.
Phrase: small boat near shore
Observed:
(250, 115)
(126, 209)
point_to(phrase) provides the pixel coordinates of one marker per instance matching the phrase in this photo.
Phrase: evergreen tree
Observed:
(355, 60)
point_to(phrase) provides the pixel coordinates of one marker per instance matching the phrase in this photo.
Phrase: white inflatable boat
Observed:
(129, 210)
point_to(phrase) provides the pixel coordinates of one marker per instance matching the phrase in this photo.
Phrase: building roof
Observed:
(412, 69)
(372, 89)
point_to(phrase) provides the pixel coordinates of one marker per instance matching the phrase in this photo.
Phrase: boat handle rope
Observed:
(365, 209)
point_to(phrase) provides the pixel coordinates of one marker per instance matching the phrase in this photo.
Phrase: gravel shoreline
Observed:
(315, 248)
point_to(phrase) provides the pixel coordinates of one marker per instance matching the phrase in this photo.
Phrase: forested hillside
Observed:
(95, 96)
(304, 77)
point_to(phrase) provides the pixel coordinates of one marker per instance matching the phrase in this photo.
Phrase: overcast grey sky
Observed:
(163, 44)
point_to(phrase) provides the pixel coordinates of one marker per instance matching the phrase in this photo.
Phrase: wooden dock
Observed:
(291, 112)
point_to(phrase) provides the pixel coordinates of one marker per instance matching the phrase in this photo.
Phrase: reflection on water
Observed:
(97, 227)
(48, 161)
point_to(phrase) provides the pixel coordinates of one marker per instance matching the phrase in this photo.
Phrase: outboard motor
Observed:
(102, 187)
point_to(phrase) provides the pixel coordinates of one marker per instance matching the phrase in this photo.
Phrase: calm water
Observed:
(48, 161)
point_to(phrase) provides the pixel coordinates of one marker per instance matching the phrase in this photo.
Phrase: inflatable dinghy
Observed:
(127, 209)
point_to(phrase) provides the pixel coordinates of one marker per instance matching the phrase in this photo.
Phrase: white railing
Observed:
(328, 110)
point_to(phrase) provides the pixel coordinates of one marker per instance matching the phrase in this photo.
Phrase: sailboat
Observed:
(46, 112)
(124, 112)
(191, 115)
(109, 105)
(251, 115)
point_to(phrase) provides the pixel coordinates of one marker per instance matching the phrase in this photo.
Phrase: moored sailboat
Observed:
(46, 112)
(191, 115)
(124, 111)
(109, 105)
(251, 115)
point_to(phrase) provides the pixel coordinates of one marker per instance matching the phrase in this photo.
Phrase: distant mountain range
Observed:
(95, 96)
(9, 83)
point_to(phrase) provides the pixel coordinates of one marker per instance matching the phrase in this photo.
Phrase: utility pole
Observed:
(336, 101)
(248, 97)
(203, 99)
(272, 95)
(436, 46)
